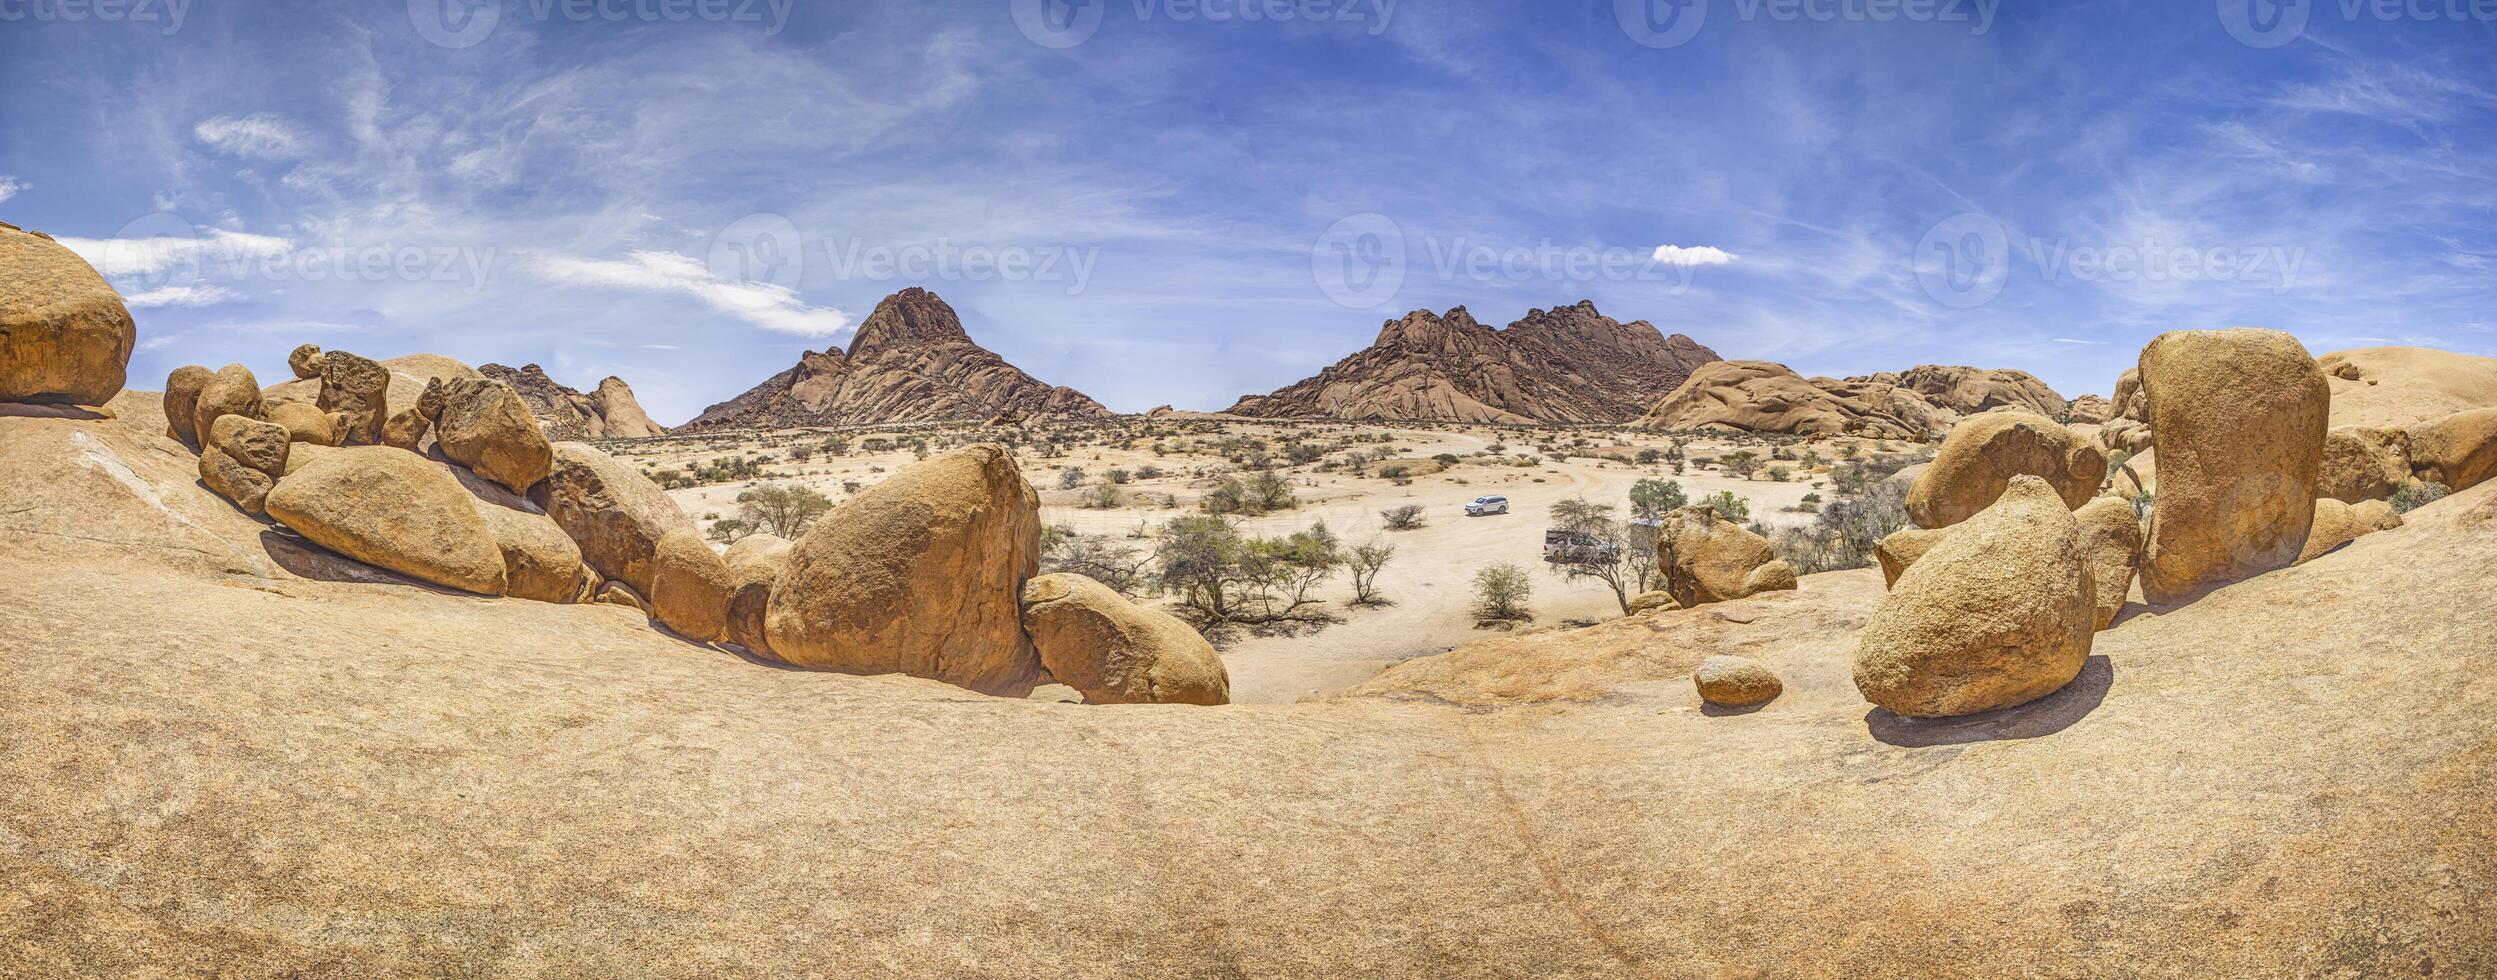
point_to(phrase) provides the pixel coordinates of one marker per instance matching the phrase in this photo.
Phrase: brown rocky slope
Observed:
(608, 412)
(910, 361)
(1568, 364)
(287, 767)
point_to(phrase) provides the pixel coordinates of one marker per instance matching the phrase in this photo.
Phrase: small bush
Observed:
(1501, 591)
(2415, 495)
(1404, 518)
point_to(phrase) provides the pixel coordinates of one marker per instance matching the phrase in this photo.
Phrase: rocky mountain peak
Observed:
(912, 317)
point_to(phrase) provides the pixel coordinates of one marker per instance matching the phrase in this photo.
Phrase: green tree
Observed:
(1728, 506)
(784, 509)
(1652, 499)
(1364, 561)
(1501, 591)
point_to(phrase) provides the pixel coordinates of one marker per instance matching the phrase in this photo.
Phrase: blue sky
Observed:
(1182, 202)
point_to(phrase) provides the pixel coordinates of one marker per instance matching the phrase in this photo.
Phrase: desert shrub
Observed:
(1102, 496)
(1842, 534)
(1364, 562)
(1405, 517)
(2417, 494)
(1501, 591)
(1104, 559)
(1070, 478)
(1652, 499)
(1729, 506)
(1119, 477)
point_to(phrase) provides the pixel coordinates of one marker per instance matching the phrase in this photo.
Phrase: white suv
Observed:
(1487, 505)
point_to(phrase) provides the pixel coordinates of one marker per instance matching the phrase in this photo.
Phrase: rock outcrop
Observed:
(181, 403)
(2091, 410)
(1984, 452)
(921, 574)
(392, 510)
(1705, 558)
(2337, 524)
(611, 510)
(231, 391)
(242, 460)
(1999, 613)
(609, 412)
(2363, 463)
(1735, 682)
(2459, 450)
(307, 423)
(1900, 549)
(2241, 416)
(65, 337)
(910, 361)
(1758, 396)
(484, 426)
(1969, 390)
(1567, 364)
(1117, 652)
(2403, 386)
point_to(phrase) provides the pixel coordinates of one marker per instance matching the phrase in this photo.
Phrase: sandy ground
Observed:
(1428, 586)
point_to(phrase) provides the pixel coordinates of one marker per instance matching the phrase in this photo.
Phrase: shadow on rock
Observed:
(49, 410)
(2044, 716)
(308, 560)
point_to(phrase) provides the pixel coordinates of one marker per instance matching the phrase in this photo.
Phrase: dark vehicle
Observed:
(1577, 548)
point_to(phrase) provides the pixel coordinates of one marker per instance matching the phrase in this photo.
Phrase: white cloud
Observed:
(9, 186)
(2076, 340)
(770, 306)
(124, 257)
(179, 296)
(1694, 255)
(258, 135)
(158, 341)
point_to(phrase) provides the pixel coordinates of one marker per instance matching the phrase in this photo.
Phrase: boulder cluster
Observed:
(2028, 544)
(933, 573)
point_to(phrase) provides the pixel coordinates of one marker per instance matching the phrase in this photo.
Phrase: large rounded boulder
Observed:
(231, 391)
(1901, 548)
(182, 389)
(2459, 450)
(611, 510)
(2111, 537)
(1707, 558)
(1736, 682)
(540, 562)
(922, 574)
(1998, 614)
(690, 587)
(2337, 524)
(241, 460)
(1116, 652)
(307, 423)
(755, 562)
(484, 426)
(2242, 415)
(1983, 453)
(65, 337)
(392, 510)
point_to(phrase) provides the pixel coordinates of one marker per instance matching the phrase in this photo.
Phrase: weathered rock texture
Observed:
(216, 765)
(755, 562)
(690, 587)
(611, 510)
(1999, 613)
(392, 510)
(1984, 452)
(64, 335)
(1117, 652)
(2241, 416)
(2337, 524)
(357, 389)
(181, 404)
(2111, 538)
(2362, 463)
(1900, 549)
(484, 426)
(1705, 558)
(609, 412)
(540, 561)
(1758, 396)
(1568, 364)
(922, 575)
(909, 362)
(307, 423)
(231, 391)
(2459, 450)
(2091, 410)
(1969, 390)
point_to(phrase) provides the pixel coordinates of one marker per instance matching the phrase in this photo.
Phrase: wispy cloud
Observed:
(259, 135)
(179, 296)
(1694, 255)
(125, 257)
(10, 187)
(768, 305)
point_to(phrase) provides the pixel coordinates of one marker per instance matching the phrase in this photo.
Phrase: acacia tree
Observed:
(1221, 576)
(1501, 591)
(784, 509)
(1364, 562)
(1620, 555)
